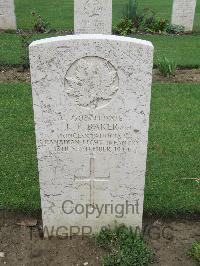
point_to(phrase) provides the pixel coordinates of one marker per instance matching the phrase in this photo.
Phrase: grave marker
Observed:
(7, 15)
(91, 96)
(183, 13)
(93, 16)
(91, 99)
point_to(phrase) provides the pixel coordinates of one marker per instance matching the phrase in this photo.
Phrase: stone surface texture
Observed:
(93, 16)
(183, 13)
(91, 99)
(7, 15)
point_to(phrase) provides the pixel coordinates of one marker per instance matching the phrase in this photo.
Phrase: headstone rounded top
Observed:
(91, 82)
(93, 16)
(91, 99)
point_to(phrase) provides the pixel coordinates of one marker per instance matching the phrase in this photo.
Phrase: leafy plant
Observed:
(130, 9)
(125, 27)
(24, 49)
(150, 23)
(174, 29)
(134, 21)
(166, 67)
(125, 247)
(195, 251)
(40, 25)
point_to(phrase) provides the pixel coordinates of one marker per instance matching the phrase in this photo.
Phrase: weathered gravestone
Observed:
(93, 16)
(91, 98)
(183, 13)
(7, 14)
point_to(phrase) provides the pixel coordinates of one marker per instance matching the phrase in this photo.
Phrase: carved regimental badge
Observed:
(91, 82)
(93, 8)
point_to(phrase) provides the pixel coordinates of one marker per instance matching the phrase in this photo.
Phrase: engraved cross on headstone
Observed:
(93, 16)
(92, 179)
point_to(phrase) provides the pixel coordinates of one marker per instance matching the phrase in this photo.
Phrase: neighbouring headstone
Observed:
(91, 99)
(7, 15)
(183, 13)
(93, 16)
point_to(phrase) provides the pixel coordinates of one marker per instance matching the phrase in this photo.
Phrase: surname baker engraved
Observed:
(91, 82)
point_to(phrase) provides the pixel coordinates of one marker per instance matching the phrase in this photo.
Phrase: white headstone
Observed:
(91, 98)
(93, 16)
(183, 13)
(7, 15)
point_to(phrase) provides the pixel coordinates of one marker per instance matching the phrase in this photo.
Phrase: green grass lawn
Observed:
(173, 150)
(184, 49)
(60, 13)
(11, 47)
(18, 167)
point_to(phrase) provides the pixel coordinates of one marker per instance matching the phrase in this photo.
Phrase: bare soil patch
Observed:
(182, 76)
(171, 239)
(12, 74)
(24, 245)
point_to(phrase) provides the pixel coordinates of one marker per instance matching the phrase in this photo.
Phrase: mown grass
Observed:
(173, 153)
(183, 49)
(173, 150)
(18, 166)
(11, 46)
(60, 13)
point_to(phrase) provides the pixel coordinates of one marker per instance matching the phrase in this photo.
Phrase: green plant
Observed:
(195, 251)
(150, 23)
(126, 248)
(146, 21)
(125, 27)
(130, 19)
(174, 29)
(130, 9)
(25, 40)
(166, 66)
(40, 25)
